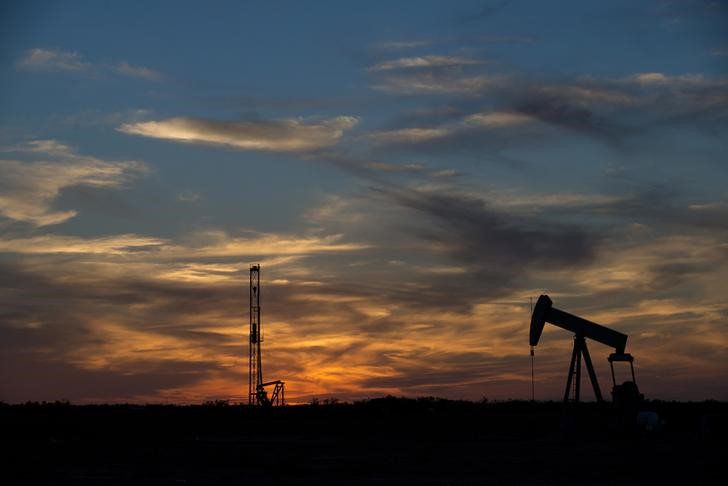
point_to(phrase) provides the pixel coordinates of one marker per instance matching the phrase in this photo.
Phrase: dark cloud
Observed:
(561, 113)
(497, 248)
(664, 206)
(614, 111)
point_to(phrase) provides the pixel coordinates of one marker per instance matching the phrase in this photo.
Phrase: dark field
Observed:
(383, 441)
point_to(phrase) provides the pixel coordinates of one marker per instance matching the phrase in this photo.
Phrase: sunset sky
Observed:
(407, 174)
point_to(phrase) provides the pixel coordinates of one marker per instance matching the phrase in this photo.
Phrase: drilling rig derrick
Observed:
(257, 394)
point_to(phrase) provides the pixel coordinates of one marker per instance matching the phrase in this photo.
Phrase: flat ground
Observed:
(383, 441)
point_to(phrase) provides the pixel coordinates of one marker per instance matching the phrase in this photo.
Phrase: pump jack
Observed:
(544, 312)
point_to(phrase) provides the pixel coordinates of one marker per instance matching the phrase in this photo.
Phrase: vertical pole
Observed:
(251, 342)
(260, 333)
(254, 369)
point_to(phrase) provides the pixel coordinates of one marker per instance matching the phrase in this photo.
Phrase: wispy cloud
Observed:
(56, 244)
(72, 62)
(437, 84)
(283, 135)
(401, 45)
(497, 119)
(188, 196)
(610, 110)
(39, 58)
(675, 81)
(204, 244)
(585, 95)
(431, 61)
(473, 125)
(137, 71)
(28, 189)
(408, 135)
(220, 243)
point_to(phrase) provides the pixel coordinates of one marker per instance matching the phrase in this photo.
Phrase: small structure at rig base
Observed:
(626, 394)
(257, 393)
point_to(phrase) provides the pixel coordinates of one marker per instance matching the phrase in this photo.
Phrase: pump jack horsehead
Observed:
(544, 312)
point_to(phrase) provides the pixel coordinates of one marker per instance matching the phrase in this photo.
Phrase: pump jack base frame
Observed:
(580, 350)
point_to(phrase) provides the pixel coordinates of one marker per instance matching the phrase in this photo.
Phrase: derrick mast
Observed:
(257, 393)
(255, 372)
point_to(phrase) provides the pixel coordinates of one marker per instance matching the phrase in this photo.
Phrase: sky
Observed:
(409, 175)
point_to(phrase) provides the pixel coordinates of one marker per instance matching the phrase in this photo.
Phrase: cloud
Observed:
(439, 227)
(433, 74)
(400, 45)
(572, 116)
(610, 110)
(56, 244)
(462, 131)
(219, 243)
(28, 189)
(319, 334)
(409, 135)
(283, 135)
(431, 61)
(586, 95)
(492, 243)
(477, 129)
(436, 83)
(213, 243)
(72, 62)
(337, 321)
(675, 81)
(188, 196)
(497, 119)
(366, 167)
(539, 201)
(54, 59)
(137, 71)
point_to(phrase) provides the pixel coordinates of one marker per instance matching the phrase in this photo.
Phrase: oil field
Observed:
(628, 440)
(417, 242)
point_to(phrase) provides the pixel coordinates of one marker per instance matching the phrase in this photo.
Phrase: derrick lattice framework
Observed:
(255, 372)
(257, 394)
